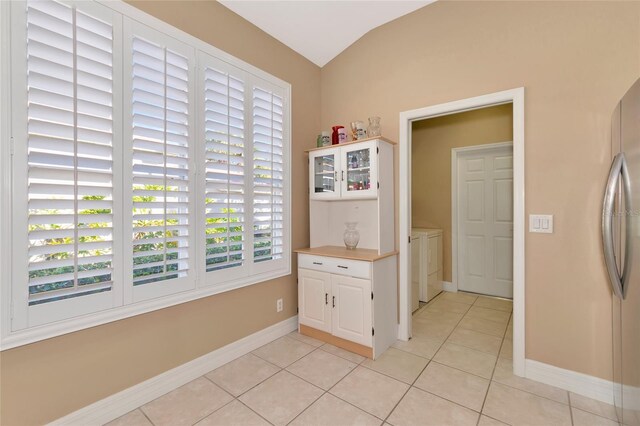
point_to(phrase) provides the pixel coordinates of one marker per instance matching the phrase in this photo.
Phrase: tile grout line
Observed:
(249, 389)
(302, 378)
(340, 356)
(360, 363)
(405, 394)
(323, 390)
(412, 385)
(237, 398)
(281, 369)
(449, 400)
(145, 414)
(253, 411)
(336, 396)
(478, 350)
(570, 409)
(450, 333)
(308, 406)
(357, 364)
(594, 414)
(486, 334)
(475, 375)
(462, 371)
(494, 370)
(411, 353)
(535, 394)
(395, 378)
(214, 411)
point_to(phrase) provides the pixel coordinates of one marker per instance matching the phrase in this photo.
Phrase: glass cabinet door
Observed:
(358, 166)
(324, 170)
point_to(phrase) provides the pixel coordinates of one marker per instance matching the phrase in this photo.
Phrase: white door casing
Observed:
(482, 198)
(516, 98)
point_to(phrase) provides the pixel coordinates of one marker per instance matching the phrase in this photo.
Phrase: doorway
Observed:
(516, 98)
(482, 217)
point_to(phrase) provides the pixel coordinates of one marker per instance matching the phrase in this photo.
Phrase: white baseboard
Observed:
(448, 286)
(116, 405)
(582, 384)
(631, 398)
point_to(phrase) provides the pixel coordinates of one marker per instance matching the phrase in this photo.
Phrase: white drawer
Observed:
(334, 265)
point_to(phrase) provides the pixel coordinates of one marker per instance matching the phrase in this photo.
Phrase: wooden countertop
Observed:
(368, 255)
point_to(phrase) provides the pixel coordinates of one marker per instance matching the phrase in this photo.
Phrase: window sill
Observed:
(35, 334)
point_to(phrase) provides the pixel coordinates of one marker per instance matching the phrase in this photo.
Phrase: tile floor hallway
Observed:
(455, 371)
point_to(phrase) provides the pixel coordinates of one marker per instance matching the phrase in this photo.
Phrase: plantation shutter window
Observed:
(146, 168)
(69, 153)
(224, 170)
(160, 122)
(268, 176)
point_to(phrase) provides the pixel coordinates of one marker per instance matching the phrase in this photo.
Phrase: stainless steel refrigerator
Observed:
(621, 242)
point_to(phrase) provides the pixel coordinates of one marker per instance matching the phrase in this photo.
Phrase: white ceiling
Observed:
(320, 29)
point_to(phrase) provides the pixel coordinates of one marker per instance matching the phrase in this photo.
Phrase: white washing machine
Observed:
(426, 265)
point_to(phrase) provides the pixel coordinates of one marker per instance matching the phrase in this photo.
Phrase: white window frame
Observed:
(126, 305)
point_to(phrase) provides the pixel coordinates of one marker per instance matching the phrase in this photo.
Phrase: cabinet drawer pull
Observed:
(343, 267)
(334, 301)
(317, 263)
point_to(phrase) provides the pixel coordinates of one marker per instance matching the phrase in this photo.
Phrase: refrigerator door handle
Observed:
(618, 280)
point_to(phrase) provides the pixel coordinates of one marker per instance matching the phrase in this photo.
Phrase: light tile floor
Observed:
(455, 371)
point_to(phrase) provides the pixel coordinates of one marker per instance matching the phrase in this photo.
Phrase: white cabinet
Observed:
(426, 264)
(336, 304)
(352, 182)
(345, 172)
(348, 301)
(324, 174)
(314, 290)
(349, 298)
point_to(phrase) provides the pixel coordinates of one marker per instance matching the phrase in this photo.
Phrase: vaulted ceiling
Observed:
(321, 29)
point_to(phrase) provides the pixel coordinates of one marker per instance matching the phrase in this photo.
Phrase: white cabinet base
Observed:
(347, 345)
(353, 313)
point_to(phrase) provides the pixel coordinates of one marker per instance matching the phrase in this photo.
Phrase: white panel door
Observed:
(485, 221)
(351, 303)
(314, 292)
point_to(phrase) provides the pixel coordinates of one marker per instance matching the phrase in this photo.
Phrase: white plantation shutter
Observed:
(268, 176)
(224, 170)
(70, 153)
(160, 121)
(114, 201)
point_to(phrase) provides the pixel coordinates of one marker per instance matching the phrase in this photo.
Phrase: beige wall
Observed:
(431, 144)
(46, 380)
(575, 60)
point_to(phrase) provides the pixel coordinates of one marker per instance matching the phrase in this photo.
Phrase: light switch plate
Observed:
(541, 223)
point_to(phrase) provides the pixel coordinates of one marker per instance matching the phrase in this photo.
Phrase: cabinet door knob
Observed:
(343, 175)
(326, 298)
(335, 175)
(334, 301)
